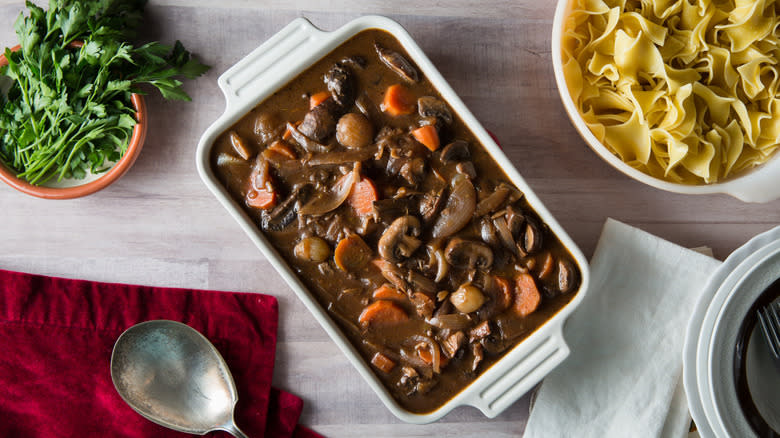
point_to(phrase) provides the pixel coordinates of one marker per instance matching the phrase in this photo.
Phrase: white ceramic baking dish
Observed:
(757, 185)
(282, 58)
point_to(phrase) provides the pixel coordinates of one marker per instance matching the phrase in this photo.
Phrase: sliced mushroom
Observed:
(399, 240)
(494, 344)
(532, 237)
(341, 85)
(433, 121)
(320, 122)
(429, 106)
(488, 232)
(567, 276)
(458, 209)
(467, 169)
(369, 109)
(458, 150)
(468, 254)
(500, 296)
(442, 267)
(505, 234)
(397, 63)
(515, 221)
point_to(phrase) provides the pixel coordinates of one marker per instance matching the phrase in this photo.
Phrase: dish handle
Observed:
(507, 385)
(289, 49)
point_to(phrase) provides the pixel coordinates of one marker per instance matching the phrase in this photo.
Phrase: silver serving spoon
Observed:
(172, 375)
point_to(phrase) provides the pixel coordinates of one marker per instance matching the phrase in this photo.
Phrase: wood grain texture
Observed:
(159, 225)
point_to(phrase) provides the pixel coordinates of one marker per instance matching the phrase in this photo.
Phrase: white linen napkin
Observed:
(623, 377)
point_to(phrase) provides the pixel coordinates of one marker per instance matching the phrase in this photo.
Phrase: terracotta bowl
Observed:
(72, 188)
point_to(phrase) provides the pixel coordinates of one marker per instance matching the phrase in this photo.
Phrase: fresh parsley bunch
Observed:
(68, 109)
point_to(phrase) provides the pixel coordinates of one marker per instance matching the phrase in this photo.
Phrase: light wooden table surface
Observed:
(160, 226)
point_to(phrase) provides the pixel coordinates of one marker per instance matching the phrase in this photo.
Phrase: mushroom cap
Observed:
(468, 254)
(399, 239)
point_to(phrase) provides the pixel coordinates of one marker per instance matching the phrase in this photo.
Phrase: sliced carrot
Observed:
(363, 196)
(318, 98)
(262, 199)
(382, 313)
(505, 298)
(428, 136)
(527, 297)
(287, 134)
(398, 100)
(388, 292)
(352, 253)
(283, 149)
(382, 362)
(547, 266)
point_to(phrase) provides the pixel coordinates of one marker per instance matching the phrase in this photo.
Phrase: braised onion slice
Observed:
(433, 347)
(224, 159)
(451, 321)
(413, 360)
(493, 201)
(351, 156)
(458, 210)
(330, 201)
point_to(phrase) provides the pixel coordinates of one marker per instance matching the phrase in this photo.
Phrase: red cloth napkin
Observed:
(56, 337)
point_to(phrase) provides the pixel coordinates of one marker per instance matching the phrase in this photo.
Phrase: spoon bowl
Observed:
(171, 374)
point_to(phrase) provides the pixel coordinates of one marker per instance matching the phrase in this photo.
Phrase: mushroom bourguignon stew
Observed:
(396, 218)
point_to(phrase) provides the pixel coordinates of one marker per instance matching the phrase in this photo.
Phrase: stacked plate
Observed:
(730, 377)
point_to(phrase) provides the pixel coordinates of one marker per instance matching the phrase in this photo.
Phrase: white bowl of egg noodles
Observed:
(682, 97)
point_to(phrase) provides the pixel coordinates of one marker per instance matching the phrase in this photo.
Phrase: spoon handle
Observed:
(235, 431)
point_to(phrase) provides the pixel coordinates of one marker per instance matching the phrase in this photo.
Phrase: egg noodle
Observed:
(683, 90)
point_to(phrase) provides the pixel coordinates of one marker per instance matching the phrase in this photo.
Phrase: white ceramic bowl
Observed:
(757, 185)
(722, 362)
(708, 361)
(272, 65)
